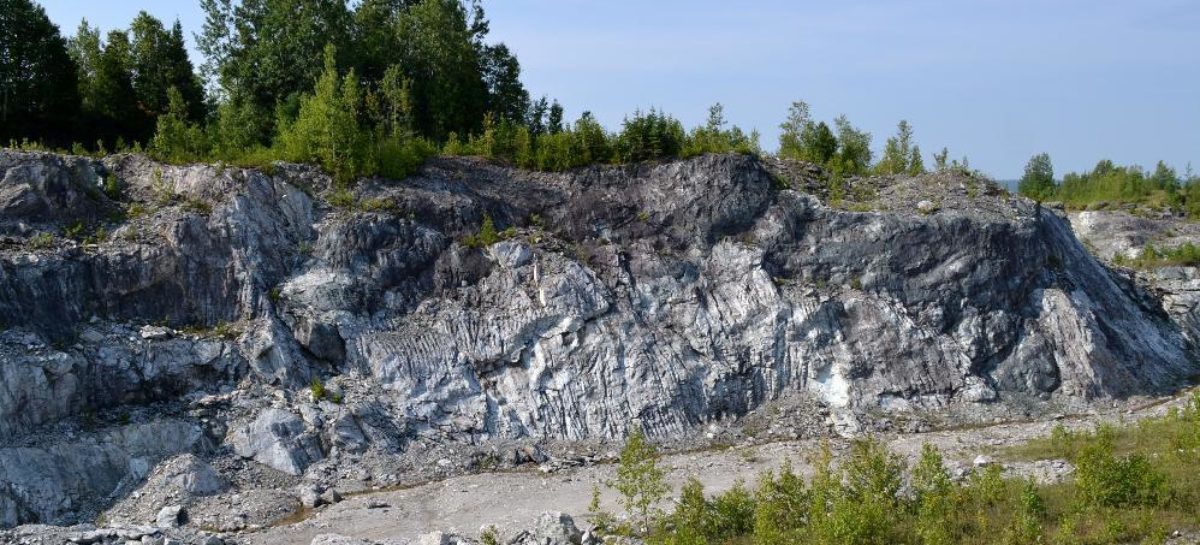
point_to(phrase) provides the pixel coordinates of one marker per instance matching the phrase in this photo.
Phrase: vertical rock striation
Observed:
(664, 296)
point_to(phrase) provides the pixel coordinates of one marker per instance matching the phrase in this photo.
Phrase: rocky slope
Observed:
(170, 350)
(1113, 233)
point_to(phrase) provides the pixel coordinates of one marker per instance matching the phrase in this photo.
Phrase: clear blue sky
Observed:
(996, 80)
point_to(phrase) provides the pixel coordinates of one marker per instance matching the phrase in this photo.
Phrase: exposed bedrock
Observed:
(665, 296)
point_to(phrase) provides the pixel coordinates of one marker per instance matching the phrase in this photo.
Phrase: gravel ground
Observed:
(512, 500)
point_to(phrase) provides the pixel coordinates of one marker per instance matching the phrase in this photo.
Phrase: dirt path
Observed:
(513, 501)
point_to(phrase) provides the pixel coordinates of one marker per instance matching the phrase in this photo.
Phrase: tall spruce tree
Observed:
(160, 61)
(115, 115)
(327, 130)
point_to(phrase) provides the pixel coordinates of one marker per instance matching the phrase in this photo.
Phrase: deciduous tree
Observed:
(1038, 181)
(39, 96)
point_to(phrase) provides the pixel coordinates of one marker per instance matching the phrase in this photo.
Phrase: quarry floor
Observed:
(513, 500)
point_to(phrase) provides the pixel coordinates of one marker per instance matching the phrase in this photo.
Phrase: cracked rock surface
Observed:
(227, 341)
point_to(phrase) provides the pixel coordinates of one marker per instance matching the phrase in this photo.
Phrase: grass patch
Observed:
(40, 241)
(1185, 255)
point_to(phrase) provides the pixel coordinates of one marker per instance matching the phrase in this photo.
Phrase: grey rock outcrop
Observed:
(556, 529)
(271, 326)
(48, 381)
(1114, 235)
(74, 479)
(277, 439)
(170, 516)
(187, 475)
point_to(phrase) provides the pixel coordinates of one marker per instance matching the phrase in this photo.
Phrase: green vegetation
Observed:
(644, 136)
(846, 154)
(486, 236)
(376, 87)
(1109, 185)
(326, 130)
(900, 154)
(125, 81)
(1132, 484)
(317, 388)
(489, 536)
(40, 241)
(223, 330)
(640, 481)
(38, 82)
(197, 206)
(1186, 255)
(714, 137)
(363, 88)
(176, 139)
(1038, 180)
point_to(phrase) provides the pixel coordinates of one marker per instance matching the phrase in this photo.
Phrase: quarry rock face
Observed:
(248, 323)
(1116, 234)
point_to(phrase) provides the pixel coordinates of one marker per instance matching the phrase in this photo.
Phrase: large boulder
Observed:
(277, 439)
(556, 529)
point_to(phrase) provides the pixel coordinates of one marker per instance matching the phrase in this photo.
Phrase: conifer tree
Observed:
(916, 165)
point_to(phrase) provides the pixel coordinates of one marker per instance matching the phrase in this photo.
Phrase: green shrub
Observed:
(601, 519)
(342, 198)
(732, 514)
(40, 241)
(865, 508)
(555, 152)
(1026, 526)
(934, 493)
(454, 146)
(197, 206)
(1113, 499)
(112, 187)
(690, 522)
(781, 507)
(489, 536)
(135, 210)
(100, 234)
(640, 481)
(1105, 480)
(175, 139)
(1108, 184)
(223, 330)
(317, 388)
(75, 230)
(486, 236)
(713, 137)
(591, 144)
(400, 158)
